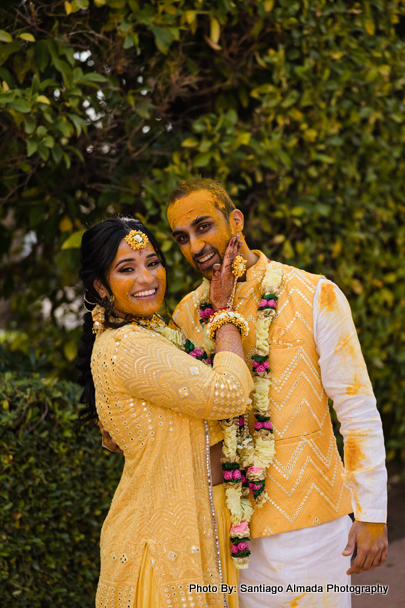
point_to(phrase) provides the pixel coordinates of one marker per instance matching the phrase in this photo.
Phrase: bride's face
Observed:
(137, 279)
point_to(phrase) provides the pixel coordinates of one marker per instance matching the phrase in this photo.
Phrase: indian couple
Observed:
(232, 474)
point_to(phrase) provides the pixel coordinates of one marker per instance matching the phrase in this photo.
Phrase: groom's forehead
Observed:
(193, 208)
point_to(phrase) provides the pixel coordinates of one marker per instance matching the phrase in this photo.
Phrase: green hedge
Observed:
(56, 488)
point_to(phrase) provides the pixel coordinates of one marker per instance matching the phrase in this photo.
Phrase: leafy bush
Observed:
(298, 107)
(56, 488)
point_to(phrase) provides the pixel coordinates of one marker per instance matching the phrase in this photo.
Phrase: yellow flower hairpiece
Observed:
(137, 239)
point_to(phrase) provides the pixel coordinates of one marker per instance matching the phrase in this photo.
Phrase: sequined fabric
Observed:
(305, 480)
(152, 398)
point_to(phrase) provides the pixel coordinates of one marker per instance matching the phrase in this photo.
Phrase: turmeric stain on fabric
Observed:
(344, 347)
(355, 387)
(327, 297)
(372, 531)
(353, 452)
(294, 602)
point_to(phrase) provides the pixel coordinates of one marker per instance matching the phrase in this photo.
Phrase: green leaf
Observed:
(163, 38)
(21, 105)
(74, 240)
(32, 147)
(83, 4)
(41, 54)
(128, 42)
(43, 99)
(5, 36)
(79, 123)
(57, 153)
(30, 124)
(92, 77)
(202, 160)
(27, 36)
(43, 151)
(190, 142)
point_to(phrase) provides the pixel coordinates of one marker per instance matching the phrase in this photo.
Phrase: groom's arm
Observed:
(346, 382)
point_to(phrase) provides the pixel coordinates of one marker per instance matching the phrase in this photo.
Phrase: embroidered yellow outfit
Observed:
(152, 398)
(304, 482)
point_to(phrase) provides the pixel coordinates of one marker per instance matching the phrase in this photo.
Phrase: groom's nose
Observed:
(196, 245)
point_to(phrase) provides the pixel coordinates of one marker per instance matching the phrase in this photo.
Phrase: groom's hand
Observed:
(372, 546)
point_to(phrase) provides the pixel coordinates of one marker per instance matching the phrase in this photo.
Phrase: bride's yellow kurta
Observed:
(152, 398)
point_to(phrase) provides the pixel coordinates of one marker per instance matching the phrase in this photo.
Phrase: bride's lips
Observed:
(145, 294)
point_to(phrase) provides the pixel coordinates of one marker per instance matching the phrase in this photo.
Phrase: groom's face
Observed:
(201, 230)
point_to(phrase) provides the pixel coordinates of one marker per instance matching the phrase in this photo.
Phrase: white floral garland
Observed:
(241, 451)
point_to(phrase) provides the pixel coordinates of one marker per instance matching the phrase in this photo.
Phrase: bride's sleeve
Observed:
(151, 368)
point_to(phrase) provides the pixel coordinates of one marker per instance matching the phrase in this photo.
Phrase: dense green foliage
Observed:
(298, 107)
(56, 488)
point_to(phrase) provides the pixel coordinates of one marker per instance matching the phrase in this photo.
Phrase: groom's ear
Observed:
(237, 221)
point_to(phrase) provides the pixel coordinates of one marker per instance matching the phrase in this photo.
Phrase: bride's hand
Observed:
(223, 280)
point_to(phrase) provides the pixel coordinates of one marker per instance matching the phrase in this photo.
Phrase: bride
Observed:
(165, 541)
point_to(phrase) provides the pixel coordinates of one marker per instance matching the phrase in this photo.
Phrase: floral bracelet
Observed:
(222, 318)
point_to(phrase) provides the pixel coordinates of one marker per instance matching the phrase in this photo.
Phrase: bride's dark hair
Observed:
(98, 249)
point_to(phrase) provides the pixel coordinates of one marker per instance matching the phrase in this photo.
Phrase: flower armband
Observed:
(222, 318)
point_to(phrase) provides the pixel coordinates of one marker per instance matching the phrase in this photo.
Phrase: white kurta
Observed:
(314, 555)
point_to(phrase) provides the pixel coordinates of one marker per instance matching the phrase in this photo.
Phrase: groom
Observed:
(302, 535)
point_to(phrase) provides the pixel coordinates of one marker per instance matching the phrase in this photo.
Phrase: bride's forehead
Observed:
(125, 250)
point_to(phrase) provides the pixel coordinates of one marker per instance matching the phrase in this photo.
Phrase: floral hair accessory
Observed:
(239, 266)
(137, 239)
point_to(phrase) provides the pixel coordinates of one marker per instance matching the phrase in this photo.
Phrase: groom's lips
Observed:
(208, 261)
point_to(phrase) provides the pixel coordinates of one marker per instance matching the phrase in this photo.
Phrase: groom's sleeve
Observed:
(346, 382)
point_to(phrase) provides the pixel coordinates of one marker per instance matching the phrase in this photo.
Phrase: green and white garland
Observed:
(246, 458)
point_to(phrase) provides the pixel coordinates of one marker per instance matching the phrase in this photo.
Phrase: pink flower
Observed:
(267, 425)
(243, 479)
(198, 352)
(272, 303)
(266, 364)
(256, 364)
(255, 469)
(234, 549)
(208, 361)
(254, 486)
(258, 426)
(260, 369)
(242, 546)
(201, 313)
(240, 528)
(241, 421)
(237, 474)
(208, 312)
(193, 354)
(227, 475)
(262, 303)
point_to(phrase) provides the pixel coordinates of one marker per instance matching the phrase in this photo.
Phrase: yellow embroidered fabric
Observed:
(147, 592)
(152, 398)
(305, 480)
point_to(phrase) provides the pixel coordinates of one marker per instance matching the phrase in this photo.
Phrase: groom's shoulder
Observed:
(189, 304)
(292, 274)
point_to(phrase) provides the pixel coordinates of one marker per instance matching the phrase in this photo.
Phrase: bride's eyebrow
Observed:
(122, 261)
(150, 255)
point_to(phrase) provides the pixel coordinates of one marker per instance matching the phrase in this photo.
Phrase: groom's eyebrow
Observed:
(197, 220)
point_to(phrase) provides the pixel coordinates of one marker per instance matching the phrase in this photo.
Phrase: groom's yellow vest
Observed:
(304, 482)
